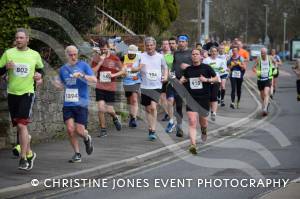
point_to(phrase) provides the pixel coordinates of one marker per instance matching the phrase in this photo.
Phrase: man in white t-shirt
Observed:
(154, 72)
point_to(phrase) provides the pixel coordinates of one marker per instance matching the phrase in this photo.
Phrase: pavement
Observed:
(119, 152)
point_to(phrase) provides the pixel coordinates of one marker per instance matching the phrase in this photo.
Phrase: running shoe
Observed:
(16, 150)
(193, 149)
(132, 123)
(204, 134)
(170, 127)
(88, 145)
(23, 164)
(222, 103)
(102, 132)
(117, 123)
(75, 158)
(166, 118)
(237, 105)
(152, 135)
(232, 106)
(264, 113)
(179, 132)
(30, 160)
(213, 116)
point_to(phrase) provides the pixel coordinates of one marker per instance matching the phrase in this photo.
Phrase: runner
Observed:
(223, 74)
(218, 66)
(243, 53)
(237, 70)
(264, 71)
(277, 65)
(296, 69)
(131, 84)
(154, 71)
(166, 52)
(181, 56)
(204, 54)
(73, 78)
(173, 44)
(23, 66)
(107, 67)
(197, 79)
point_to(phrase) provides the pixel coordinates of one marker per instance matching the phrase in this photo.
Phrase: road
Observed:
(271, 150)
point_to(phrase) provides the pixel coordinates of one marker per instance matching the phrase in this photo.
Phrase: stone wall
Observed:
(47, 121)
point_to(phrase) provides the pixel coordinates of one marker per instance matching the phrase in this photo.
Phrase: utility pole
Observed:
(284, 34)
(267, 40)
(199, 21)
(206, 18)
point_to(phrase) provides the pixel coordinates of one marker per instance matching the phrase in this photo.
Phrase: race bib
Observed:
(236, 74)
(105, 76)
(172, 75)
(71, 95)
(131, 74)
(153, 76)
(21, 70)
(265, 72)
(195, 83)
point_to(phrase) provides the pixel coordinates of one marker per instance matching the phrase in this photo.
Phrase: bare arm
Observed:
(255, 66)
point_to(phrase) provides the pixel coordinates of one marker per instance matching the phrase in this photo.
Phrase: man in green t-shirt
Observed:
(166, 52)
(23, 67)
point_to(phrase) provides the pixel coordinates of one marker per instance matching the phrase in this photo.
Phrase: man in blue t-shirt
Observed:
(74, 77)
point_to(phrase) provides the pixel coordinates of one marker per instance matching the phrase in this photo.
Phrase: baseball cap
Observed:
(132, 49)
(183, 38)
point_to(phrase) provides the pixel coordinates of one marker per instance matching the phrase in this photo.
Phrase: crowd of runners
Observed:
(170, 75)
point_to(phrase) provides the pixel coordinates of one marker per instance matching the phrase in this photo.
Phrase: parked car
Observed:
(254, 50)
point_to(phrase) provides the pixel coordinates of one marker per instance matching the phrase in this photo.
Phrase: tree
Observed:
(13, 15)
(139, 15)
(81, 14)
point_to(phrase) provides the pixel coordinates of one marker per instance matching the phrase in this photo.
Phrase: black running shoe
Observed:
(166, 118)
(16, 150)
(23, 164)
(222, 103)
(179, 132)
(88, 145)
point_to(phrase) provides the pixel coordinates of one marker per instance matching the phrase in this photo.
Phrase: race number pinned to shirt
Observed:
(153, 76)
(21, 70)
(131, 74)
(265, 69)
(195, 83)
(71, 95)
(105, 76)
(236, 74)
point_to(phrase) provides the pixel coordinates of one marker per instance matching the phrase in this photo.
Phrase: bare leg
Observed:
(101, 113)
(134, 107)
(72, 135)
(193, 119)
(24, 138)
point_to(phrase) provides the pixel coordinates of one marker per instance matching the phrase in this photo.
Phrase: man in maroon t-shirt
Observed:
(107, 68)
